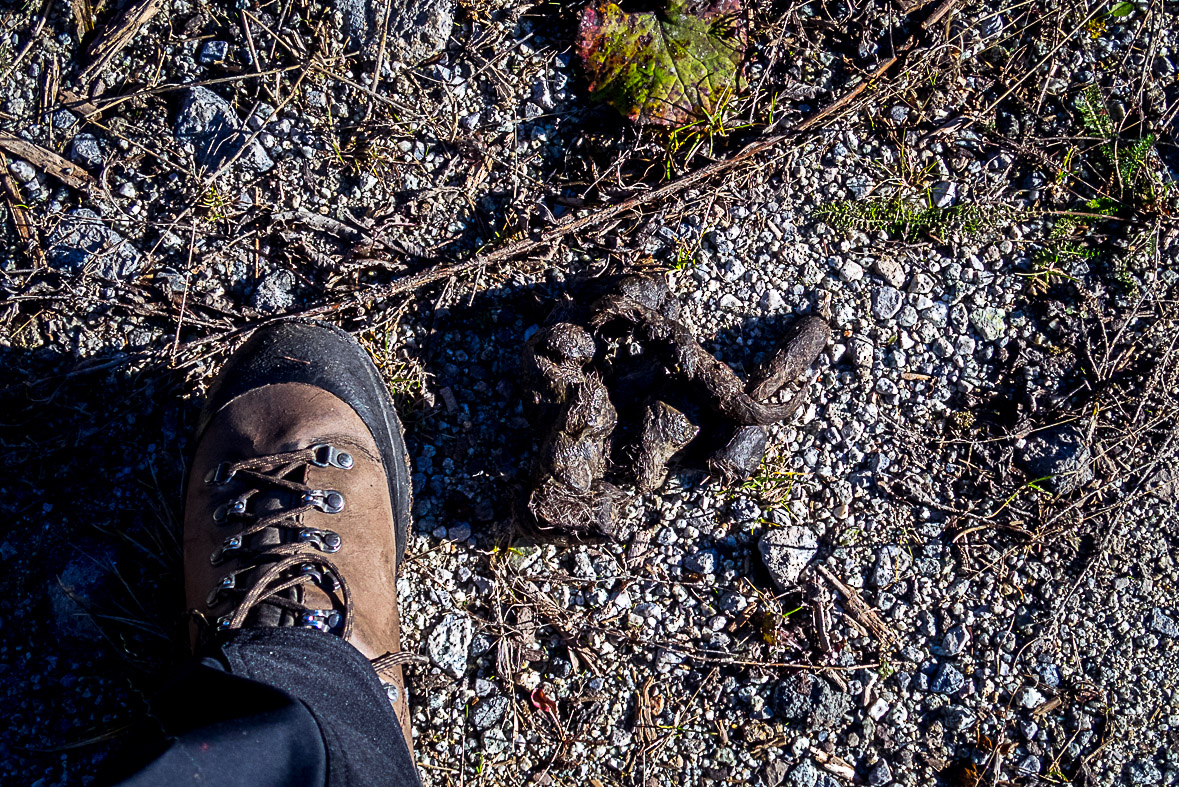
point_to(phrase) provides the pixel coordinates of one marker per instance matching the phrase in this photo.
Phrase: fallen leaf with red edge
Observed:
(541, 702)
(671, 66)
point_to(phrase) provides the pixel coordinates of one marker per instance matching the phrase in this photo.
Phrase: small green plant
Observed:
(1034, 485)
(214, 203)
(405, 378)
(684, 258)
(1121, 9)
(899, 216)
(1143, 249)
(683, 142)
(772, 483)
(1127, 159)
(1064, 244)
(332, 138)
(367, 154)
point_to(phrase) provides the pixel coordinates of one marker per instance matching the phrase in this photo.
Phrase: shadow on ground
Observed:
(93, 465)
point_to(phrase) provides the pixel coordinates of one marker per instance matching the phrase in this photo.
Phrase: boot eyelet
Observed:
(214, 597)
(315, 619)
(220, 474)
(328, 501)
(323, 540)
(230, 544)
(329, 456)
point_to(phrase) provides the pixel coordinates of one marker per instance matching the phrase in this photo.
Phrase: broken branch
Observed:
(47, 161)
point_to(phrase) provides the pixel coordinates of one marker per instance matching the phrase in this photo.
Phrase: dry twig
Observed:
(858, 609)
(49, 162)
(115, 37)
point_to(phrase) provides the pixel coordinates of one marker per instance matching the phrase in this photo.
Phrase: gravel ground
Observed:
(954, 567)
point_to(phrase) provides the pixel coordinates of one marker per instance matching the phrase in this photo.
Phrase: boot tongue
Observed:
(267, 503)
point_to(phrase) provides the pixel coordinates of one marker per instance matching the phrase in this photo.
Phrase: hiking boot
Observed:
(298, 497)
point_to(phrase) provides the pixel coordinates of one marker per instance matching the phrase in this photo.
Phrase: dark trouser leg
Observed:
(276, 706)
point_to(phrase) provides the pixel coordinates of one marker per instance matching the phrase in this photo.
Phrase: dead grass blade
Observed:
(115, 37)
(20, 216)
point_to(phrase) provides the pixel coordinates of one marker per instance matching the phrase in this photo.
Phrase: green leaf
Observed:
(1122, 9)
(669, 67)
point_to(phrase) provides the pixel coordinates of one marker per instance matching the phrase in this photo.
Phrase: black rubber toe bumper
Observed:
(328, 358)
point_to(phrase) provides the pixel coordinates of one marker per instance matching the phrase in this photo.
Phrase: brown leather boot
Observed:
(298, 498)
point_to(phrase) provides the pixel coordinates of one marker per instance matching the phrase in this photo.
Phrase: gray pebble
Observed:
(880, 774)
(210, 125)
(772, 300)
(805, 774)
(943, 193)
(1060, 455)
(22, 170)
(84, 150)
(1161, 623)
(702, 562)
(957, 719)
(419, 29)
(1029, 765)
(786, 551)
(82, 240)
(989, 322)
(449, 643)
(213, 52)
(495, 742)
(275, 293)
(886, 302)
(947, 679)
(1029, 697)
(954, 642)
(891, 271)
(851, 271)
(489, 711)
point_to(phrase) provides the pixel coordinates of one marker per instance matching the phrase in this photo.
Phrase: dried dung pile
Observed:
(621, 389)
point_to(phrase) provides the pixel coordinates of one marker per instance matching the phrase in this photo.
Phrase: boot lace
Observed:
(278, 556)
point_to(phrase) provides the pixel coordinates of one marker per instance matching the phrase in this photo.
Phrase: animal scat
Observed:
(683, 357)
(807, 339)
(665, 432)
(627, 356)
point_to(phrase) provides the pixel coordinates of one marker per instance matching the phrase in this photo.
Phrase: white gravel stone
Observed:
(851, 271)
(449, 643)
(786, 551)
(989, 322)
(886, 302)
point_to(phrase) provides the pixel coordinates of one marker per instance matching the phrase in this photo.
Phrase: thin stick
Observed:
(115, 38)
(34, 37)
(380, 65)
(184, 297)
